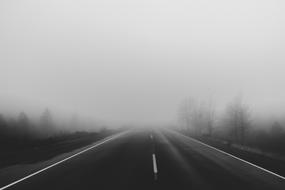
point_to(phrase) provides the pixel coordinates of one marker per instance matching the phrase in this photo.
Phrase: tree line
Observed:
(22, 127)
(234, 125)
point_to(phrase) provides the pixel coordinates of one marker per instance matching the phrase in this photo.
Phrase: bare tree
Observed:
(74, 122)
(3, 125)
(23, 119)
(192, 114)
(239, 119)
(277, 129)
(185, 112)
(46, 122)
(210, 117)
(23, 124)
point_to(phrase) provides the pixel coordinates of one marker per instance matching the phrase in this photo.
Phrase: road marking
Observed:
(59, 162)
(154, 166)
(263, 169)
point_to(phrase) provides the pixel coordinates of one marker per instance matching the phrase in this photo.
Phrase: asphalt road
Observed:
(152, 159)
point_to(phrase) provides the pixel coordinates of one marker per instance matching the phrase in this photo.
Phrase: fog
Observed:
(134, 61)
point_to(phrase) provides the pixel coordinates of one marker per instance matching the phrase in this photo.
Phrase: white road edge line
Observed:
(154, 166)
(268, 171)
(61, 161)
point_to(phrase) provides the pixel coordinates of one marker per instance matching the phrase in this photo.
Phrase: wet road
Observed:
(152, 159)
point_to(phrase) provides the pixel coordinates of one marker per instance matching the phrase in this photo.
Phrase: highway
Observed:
(148, 160)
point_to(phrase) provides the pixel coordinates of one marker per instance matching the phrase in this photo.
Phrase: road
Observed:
(149, 160)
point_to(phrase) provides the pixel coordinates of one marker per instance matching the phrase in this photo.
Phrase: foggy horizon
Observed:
(142, 94)
(134, 61)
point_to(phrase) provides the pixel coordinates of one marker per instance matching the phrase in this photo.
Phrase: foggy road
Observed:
(152, 159)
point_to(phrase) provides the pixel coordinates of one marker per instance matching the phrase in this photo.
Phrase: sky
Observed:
(135, 61)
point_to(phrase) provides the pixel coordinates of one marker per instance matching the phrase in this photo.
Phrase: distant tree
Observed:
(277, 138)
(198, 118)
(276, 129)
(46, 122)
(12, 129)
(23, 124)
(3, 125)
(23, 119)
(239, 119)
(193, 116)
(185, 113)
(74, 122)
(210, 117)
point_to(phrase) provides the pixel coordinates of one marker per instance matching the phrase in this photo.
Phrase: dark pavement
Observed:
(127, 163)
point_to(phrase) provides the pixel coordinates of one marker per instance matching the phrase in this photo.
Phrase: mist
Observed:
(134, 61)
(142, 94)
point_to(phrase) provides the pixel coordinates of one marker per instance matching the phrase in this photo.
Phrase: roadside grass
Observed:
(27, 151)
(273, 160)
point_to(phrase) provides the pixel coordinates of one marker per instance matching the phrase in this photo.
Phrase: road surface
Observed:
(149, 160)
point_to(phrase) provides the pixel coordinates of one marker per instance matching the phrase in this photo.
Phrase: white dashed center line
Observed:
(154, 166)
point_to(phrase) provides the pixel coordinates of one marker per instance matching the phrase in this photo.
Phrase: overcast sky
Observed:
(130, 60)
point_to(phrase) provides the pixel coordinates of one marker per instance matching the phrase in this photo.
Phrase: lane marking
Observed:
(61, 161)
(259, 167)
(154, 166)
